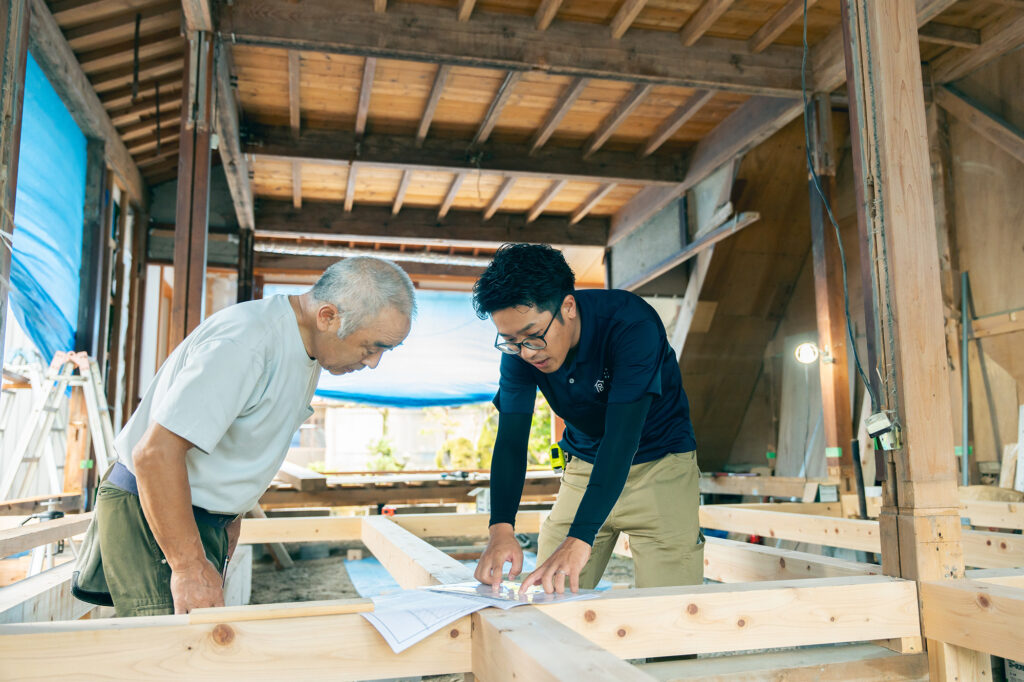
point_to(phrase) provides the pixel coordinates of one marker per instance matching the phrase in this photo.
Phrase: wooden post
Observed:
(136, 310)
(246, 261)
(119, 286)
(192, 215)
(87, 334)
(14, 25)
(829, 300)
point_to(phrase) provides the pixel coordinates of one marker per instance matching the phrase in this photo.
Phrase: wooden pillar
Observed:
(829, 300)
(119, 289)
(14, 27)
(192, 214)
(136, 309)
(87, 333)
(246, 261)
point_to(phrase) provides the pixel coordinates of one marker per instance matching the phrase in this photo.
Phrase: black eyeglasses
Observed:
(535, 342)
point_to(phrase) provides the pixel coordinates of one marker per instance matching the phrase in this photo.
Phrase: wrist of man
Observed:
(189, 561)
(501, 528)
(581, 534)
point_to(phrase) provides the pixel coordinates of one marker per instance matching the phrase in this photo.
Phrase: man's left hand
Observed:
(567, 561)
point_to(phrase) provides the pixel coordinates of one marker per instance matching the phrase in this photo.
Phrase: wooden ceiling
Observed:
(132, 53)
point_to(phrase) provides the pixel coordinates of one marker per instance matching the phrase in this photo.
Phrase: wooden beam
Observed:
(625, 16)
(90, 274)
(688, 309)
(558, 112)
(590, 202)
(297, 184)
(42, 598)
(294, 85)
(525, 644)
(235, 164)
(410, 561)
(440, 78)
(780, 21)
(445, 155)
(729, 561)
(449, 196)
(1002, 323)
(676, 120)
(465, 9)
(614, 119)
(301, 478)
(974, 615)
(754, 121)
(498, 198)
(1010, 577)
(192, 212)
(198, 16)
(417, 226)
(549, 194)
(365, 91)
(501, 98)
(30, 536)
(350, 187)
(59, 64)
(758, 486)
(988, 125)
(380, 6)
(546, 13)
(65, 502)
(511, 43)
(702, 20)
(997, 38)
(948, 34)
(727, 229)
(403, 186)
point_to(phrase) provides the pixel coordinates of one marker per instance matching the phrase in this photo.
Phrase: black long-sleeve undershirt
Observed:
(623, 426)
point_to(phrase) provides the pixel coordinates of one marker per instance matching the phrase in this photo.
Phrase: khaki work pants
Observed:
(657, 509)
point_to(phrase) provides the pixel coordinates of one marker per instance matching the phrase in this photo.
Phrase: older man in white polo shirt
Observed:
(214, 427)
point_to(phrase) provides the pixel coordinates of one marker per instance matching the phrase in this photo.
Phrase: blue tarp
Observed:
(448, 359)
(48, 214)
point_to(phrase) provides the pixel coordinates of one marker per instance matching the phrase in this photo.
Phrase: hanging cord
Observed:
(816, 181)
(135, 60)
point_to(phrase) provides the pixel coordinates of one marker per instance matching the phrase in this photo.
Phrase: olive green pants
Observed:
(136, 571)
(657, 509)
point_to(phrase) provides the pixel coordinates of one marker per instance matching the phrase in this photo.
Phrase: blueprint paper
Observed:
(407, 617)
(506, 595)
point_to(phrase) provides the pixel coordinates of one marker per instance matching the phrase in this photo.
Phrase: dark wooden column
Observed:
(829, 300)
(87, 334)
(14, 30)
(192, 214)
(119, 289)
(136, 308)
(246, 261)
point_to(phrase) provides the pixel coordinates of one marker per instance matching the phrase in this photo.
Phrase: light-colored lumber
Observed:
(974, 615)
(31, 535)
(300, 529)
(499, 197)
(449, 197)
(993, 514)
(720, 618)
(410, 560)
(558, 112)
(997, 38)
(861, 662)
(525, 644)
(1008, 466)
(458, 525)
(294, 93)
(702, 19)
(350, 187)
(1002, 323)
(281, 556)
(198, 15)
(948, 34)
(465, 9)
(729, 561)
(303, 479)
(226, 124)
(616, 117)
(1010, 577)
(676, 120)
(549, 194)
(403, 186)
(780, 21)
(365, 92)
(41, 598)
(985, 549)
(1007, 138)
(237, 614)
(759, 486)
(341, 647)
(440, 79)
(591, 201)
(546, 13)
(501, 99)
(948, 663)
(623, 19)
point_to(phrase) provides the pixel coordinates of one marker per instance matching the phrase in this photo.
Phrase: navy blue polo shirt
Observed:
(623, 354)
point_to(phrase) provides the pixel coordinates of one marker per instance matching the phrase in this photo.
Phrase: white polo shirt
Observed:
(237, 388)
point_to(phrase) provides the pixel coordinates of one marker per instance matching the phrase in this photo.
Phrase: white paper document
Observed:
(407, 617)
(506, 594)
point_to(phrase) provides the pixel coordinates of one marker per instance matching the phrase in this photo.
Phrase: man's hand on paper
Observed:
(567, 561)
(501, 548)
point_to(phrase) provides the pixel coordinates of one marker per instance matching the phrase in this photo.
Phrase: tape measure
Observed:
(557, 458)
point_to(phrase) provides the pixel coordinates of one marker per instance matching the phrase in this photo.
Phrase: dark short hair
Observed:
(533, 275)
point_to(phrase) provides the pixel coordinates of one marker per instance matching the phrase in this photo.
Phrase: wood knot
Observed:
(983, 601)
(742, 623)
(782, 563)
(621, 632)
(1002, 545)
(223, 634)
(453, 633)
(692, 609)
(589, 616)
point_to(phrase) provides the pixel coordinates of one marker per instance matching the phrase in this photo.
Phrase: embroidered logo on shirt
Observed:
(600, 383)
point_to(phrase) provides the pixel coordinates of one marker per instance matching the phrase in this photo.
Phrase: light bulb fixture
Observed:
(806, 353)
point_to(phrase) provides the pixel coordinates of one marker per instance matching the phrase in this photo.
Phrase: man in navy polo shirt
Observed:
(603, 361)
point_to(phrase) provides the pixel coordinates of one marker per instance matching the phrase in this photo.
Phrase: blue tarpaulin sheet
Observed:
(48, 214)
(448, 359)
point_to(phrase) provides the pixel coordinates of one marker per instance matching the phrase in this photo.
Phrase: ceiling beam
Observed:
(294, 97)
(676, 120)
(997, 39)
(297, 184)
(380, 6)
(403, 187)
(549, 194)
(499, 197)
(590, 202)
(365, 90)
(991, 127)
(702, 20)
(465, 9)
(497, 105)
(54, 56)
(947, 34)
(350, 187)
(445, 155)
(511, 43)
(268, 263)
(625, 17)
(236, 166)
(440, 78)
(449, 196)
(616, 118)
(546, 13)
(124, 23)
(198, 16)
(420, 226)
(558, 112)
(776, 26)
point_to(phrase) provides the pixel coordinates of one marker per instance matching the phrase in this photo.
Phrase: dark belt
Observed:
(120, 477)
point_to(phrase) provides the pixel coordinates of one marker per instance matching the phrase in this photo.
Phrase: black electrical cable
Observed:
(816, 181)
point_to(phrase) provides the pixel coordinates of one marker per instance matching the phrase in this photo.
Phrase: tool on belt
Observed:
(559, 458)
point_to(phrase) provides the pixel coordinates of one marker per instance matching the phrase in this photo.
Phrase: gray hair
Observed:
(363, 287)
